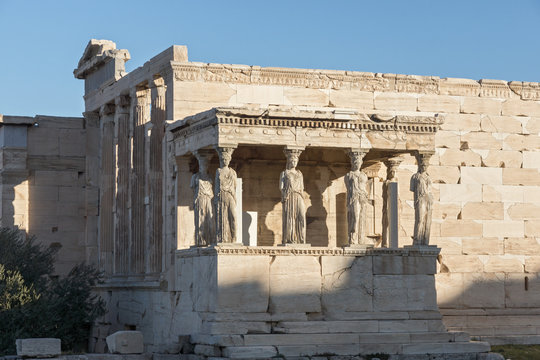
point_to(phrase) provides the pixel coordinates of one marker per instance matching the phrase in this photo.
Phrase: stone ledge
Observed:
(312, 251)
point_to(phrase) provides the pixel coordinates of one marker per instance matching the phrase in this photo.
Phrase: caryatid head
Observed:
(202, 159)
(292, 158)
(423, 161)
(225, 156)
(356, 159)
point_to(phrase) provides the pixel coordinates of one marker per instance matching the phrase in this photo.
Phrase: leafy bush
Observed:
(33, 303)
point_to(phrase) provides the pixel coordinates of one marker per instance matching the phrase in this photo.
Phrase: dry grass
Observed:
(518, 352)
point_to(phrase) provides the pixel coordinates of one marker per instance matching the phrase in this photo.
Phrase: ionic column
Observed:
(138, 218)
(122, 219)
(108, 167)
(390, 211)
(423, 199)
(92, 182)
(201, 183)
(225, 202)
(357, 199)
(157, 117)
(291, 185)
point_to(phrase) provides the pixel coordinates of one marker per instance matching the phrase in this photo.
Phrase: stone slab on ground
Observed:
(126, 342)
(38, 347)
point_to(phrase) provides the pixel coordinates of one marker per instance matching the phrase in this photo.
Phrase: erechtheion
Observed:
(243, 212)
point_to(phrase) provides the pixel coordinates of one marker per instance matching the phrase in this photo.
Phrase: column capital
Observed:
(122, 101)
(106, 110)
(423, 156)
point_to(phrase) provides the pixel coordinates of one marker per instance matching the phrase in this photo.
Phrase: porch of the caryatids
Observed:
(357, 199)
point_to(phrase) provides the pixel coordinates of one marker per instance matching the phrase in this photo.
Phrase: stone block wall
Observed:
(485, 173)
(43, 183)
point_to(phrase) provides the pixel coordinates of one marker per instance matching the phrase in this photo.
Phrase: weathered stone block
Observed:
(503, 193)
(479, 105)
(525, 211)
(444, 174)
(481, 175)
(460, 192)
(461, 264)
(406, 265)
(456, 157)
(464, 228)
(295, 284)
(346, 283)
(447, 139)
(483, 211)
(249, 352)
(522, 291)
(243, 286)
(532, 228)
(483, 290)
(520, 142)
(306, 96)
(502, 159)
(521, 177)
(439, 103)
(503, 264)
(361, 100)
(38, 347)
(481, 141)
(395, 101)
(126, 342)
(520, 107)
(483, 246)
(503, 228)
(462, 122)
(500, 124)
(449, 289)
(531, 159)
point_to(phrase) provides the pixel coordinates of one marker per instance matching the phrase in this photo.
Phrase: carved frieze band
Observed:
(353, 80)
(411, 124)
(310, 251)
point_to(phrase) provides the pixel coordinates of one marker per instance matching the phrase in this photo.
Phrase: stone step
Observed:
(339, 338)
(298, 350)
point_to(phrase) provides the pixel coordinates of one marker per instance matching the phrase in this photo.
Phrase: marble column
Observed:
(122, 219)
(390, 211)
(157, 117)
(225, 202)
(357, 199)
(107, 189)
(138, 183)
(291, 185)
(92, 182)
(423, 199)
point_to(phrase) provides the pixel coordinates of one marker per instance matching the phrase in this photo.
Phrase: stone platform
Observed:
(289, 302)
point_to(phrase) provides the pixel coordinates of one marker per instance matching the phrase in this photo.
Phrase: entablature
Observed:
(303, 127)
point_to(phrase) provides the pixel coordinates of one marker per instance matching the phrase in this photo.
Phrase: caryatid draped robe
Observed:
(291, 183)
(357, 200)
(225, 188)
(423, 204)
(202, 205)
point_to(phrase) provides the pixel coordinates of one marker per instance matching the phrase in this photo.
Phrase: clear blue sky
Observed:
(42, 41)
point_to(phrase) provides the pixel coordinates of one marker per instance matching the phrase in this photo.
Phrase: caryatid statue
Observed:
(392, 165)
(423, 200)
(225, 198)
(291, 184)
(201, 183)
(357, 199)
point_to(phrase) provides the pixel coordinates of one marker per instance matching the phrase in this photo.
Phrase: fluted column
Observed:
(158, 116)
(108, 165)
(390, 212)
(122, 220)
(138, 176)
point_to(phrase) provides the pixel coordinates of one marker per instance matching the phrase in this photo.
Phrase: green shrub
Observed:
(35, 304)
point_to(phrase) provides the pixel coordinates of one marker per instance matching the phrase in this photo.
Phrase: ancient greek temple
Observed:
(244, 212)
